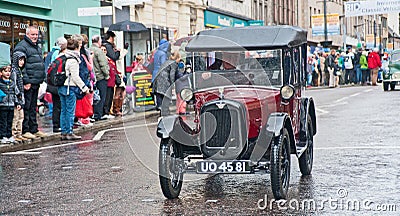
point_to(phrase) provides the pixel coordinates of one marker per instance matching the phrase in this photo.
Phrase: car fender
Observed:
(174, 127)
(308, 107)
(276, 122)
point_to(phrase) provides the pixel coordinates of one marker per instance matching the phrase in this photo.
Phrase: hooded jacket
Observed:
(111, 53)
(17, 72)
(12, 94)
(72, 70)
(165, 78)
(160, 56)
(34, 73)
(374, 60)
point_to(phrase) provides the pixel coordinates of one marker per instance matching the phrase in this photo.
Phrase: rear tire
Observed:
(306, 159)
(171, 167)
(392, 86)
(280, 165)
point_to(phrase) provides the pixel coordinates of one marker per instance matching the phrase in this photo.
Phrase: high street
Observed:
(114, 171)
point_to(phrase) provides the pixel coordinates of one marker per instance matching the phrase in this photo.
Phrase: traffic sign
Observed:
(119, 3)
(95, 11)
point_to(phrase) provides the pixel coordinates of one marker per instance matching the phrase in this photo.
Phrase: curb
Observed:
(37, 142)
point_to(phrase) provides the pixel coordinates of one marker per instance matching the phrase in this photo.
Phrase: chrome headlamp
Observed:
(287, 92)
(186, 94)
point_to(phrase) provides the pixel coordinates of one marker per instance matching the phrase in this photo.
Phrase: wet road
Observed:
(355, 170)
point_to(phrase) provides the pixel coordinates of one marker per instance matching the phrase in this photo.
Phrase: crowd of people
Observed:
(95, 88)
(94, 84)
(343, 68)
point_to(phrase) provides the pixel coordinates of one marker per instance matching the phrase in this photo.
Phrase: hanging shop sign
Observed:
(317, 24)
(371, 7)
(216, 20)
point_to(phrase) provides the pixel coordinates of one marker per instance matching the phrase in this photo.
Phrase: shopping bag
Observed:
(84, 107)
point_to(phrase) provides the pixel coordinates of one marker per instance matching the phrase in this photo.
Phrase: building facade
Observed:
(367, 31)
(53, 18)
(276, 12)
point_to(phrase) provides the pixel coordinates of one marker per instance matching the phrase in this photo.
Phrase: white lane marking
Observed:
(99, 134)
(322, 112)
(368, 90)
(356, 94)
(21, 153)
(333, 105)
(97, 137)
(341, 99)
(357, 147)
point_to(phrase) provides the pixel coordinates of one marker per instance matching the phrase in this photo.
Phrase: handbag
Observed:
(118, 80)
(96, 96)
(84, 107)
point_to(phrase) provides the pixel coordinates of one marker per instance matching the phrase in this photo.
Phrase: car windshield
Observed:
(395, 57)
(259, 68)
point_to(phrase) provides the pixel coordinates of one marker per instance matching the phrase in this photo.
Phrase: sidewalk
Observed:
(45, 125)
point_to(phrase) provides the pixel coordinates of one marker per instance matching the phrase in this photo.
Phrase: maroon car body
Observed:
(250, 112)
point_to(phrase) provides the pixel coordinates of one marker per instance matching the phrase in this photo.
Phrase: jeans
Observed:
(101, 85)
(56, 110)
(6, 120)
(68, 104)
(364, 76)
(358, 77)
(30, 123)
(349, 76)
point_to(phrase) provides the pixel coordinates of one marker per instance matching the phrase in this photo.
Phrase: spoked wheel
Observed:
(126, 106)
(306, 159)
(171, 168)
(280, 165)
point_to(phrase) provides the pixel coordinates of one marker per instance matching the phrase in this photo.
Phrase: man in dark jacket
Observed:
(34, 75)
(112, 53)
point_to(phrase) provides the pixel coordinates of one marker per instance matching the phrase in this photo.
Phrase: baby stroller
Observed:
(44, 102)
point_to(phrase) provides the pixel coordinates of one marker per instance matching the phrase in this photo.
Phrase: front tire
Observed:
(171, 167)
(280, 165)
(306, 159)
(385, 86)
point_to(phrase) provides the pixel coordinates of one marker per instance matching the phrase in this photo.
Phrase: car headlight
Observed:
(186, 94)
(287, 92)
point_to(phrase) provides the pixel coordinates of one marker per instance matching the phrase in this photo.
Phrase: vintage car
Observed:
(250, 112)
(391, 71)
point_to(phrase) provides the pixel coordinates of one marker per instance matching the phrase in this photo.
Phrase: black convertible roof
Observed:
(247, 38)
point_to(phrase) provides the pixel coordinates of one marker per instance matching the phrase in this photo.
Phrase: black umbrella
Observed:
(128, 26)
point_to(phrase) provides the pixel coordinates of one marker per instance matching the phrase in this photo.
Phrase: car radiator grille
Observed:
(222, 128)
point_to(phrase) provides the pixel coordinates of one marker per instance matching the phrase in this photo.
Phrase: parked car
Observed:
(391, 71)
(250, 110)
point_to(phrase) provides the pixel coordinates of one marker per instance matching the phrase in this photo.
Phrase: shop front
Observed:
(213, 19)
(13, 28)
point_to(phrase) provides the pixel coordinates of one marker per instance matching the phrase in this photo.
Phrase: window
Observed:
(13, 28)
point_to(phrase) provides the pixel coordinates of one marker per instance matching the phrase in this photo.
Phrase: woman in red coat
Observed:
(374, 63)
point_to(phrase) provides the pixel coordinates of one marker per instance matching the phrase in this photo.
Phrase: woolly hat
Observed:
(5, 59)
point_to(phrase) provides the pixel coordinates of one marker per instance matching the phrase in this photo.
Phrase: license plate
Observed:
(223, 166)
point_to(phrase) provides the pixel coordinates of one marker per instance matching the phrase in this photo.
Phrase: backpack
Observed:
(56, 74)
(348, 62)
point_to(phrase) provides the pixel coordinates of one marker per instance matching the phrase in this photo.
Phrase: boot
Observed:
(117, 106)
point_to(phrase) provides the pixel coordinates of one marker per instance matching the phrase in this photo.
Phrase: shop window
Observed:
(13, 29)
